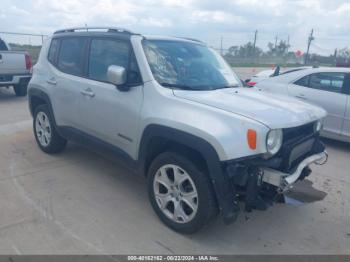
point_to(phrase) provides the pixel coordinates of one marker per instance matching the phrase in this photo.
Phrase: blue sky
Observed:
(208, 20)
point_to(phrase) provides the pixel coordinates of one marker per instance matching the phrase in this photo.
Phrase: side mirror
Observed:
(116, 75)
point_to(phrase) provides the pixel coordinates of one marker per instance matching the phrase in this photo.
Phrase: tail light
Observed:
(29, 62)
(251, 83)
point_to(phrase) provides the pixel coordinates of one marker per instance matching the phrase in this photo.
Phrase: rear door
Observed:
(67, 56)
(324, 89)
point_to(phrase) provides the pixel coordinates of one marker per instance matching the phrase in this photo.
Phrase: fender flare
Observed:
(223, 190)
(36, 92)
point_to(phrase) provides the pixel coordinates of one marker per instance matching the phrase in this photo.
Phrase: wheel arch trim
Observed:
(223, 191)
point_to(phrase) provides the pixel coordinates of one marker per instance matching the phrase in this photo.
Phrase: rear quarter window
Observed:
(53, 51)
(304, 81)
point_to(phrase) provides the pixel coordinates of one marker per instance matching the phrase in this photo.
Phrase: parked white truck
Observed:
(15, 69)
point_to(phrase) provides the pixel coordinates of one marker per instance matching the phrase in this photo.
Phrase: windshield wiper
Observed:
(180, 86)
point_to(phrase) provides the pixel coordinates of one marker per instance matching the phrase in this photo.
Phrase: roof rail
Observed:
(87, 29)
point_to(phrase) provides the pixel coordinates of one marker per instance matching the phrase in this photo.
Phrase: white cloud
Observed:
(236, 20)
(215, 16)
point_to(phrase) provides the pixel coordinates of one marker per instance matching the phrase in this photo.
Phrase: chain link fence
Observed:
(237, 56)
(30, 43)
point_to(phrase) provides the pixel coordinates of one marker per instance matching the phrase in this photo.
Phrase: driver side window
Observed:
(106, 52)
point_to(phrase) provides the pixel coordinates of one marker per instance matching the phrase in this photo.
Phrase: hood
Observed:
(272, 110)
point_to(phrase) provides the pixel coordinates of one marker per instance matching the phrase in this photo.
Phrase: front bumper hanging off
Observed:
(260, 181)
(285, 181)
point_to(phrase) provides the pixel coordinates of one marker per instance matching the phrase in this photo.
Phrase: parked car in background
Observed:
(265, 74)
(15, 69)
(174, 110)
(325, 87)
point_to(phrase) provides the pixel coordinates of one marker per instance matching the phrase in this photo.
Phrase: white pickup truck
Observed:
(15, 69)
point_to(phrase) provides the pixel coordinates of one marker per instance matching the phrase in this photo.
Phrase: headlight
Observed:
(318, 126)
(274, 141)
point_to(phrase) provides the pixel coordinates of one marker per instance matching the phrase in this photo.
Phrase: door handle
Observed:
(52, 81)
(87, 92)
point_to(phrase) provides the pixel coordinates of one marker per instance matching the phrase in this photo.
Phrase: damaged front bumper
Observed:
(284, 181)
(259, 181)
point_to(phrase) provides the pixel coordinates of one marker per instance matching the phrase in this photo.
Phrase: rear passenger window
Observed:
(71, 56)
(332, 82)
(53, 51)
(106, 52)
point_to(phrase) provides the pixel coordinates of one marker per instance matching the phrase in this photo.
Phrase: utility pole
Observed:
(276, 38)
(254, 43)
(221, 49)
(311, 37)
(255, 36)
(288, 44)
(335, 56)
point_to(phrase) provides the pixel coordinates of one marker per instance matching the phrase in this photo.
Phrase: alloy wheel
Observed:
(175, 193)
(43, 129)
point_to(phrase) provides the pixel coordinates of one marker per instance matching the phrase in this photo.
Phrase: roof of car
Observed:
(115, 31)
(295, 75)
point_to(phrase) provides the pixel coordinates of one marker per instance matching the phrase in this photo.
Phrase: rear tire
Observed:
(45, 131)
(185, 202)
(20, 90)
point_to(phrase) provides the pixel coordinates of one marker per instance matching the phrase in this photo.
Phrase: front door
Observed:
(106, 112)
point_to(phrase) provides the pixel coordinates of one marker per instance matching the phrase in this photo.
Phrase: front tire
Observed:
(45, 132)
(180, 194)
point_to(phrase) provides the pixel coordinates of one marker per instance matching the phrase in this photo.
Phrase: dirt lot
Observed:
(78, 202)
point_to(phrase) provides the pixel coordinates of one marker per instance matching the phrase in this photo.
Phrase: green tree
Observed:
(246, 50)
(344, 53)
(281, 49)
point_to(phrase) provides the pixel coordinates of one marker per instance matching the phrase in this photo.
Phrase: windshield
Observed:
(187, 65)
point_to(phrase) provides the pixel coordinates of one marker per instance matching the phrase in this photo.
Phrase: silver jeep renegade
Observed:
(174, 111)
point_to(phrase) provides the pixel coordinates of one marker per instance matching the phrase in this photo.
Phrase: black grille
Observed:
(5, 78)
(294, 134)
(298, 143)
